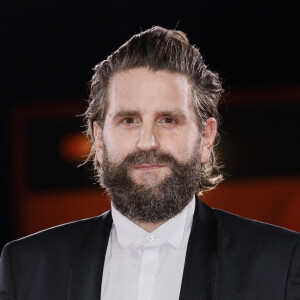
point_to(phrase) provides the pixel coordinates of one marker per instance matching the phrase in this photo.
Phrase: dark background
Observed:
(49, 48)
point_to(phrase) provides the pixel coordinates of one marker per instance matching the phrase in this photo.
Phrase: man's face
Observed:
(151, 121)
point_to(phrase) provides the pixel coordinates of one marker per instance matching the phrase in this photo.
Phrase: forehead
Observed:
(145, 90)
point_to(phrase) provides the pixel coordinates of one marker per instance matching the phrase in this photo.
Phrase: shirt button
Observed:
(150, 238)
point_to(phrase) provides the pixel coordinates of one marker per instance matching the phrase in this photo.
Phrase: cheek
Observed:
(118, 146)
(181, 146)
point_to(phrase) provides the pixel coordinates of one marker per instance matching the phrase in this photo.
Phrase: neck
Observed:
(149, 226)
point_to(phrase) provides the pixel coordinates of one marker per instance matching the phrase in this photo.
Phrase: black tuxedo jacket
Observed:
(228, 258)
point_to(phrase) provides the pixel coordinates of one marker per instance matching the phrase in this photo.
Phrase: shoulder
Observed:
(62, 238)
(257, 255)
(33, 265)
(254, 233)
(242, 226)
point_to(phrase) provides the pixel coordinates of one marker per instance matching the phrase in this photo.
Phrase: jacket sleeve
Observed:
(293, 280)
(6, 281)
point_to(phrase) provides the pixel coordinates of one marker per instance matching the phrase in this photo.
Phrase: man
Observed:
(152, 119)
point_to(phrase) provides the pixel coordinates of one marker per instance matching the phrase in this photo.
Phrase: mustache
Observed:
(148, 157)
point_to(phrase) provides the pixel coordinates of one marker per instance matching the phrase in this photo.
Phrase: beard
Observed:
(156, 202)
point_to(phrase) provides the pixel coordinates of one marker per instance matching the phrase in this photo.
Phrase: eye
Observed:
(129, 121)
(168, 121)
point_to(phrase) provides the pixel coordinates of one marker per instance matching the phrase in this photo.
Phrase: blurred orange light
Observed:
(75, 147)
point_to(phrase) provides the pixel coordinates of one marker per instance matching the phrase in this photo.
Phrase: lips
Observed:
(148, 167)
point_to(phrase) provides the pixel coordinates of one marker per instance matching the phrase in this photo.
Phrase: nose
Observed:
(147, 139)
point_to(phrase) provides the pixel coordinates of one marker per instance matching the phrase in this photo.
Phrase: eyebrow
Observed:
(173, 113)
(125, 112)
(170, 113)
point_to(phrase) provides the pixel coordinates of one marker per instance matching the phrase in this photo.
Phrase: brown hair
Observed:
(159, 49)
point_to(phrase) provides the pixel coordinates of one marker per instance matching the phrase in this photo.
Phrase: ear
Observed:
(98, 142)
(208, 137)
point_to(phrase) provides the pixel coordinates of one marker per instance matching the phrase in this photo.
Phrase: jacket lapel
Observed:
(199, 275)
(86, 274)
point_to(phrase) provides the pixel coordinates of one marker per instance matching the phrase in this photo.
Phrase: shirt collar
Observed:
(171, 231)
(127, 231)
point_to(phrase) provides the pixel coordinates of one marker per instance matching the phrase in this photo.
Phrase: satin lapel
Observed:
(86, 275)
(199, 275)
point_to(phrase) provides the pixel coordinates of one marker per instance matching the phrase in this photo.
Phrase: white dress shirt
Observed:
(140, 265)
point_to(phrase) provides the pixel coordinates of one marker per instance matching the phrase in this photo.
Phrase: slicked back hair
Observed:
(159, 49)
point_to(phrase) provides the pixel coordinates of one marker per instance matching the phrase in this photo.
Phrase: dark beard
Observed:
(156, 203)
